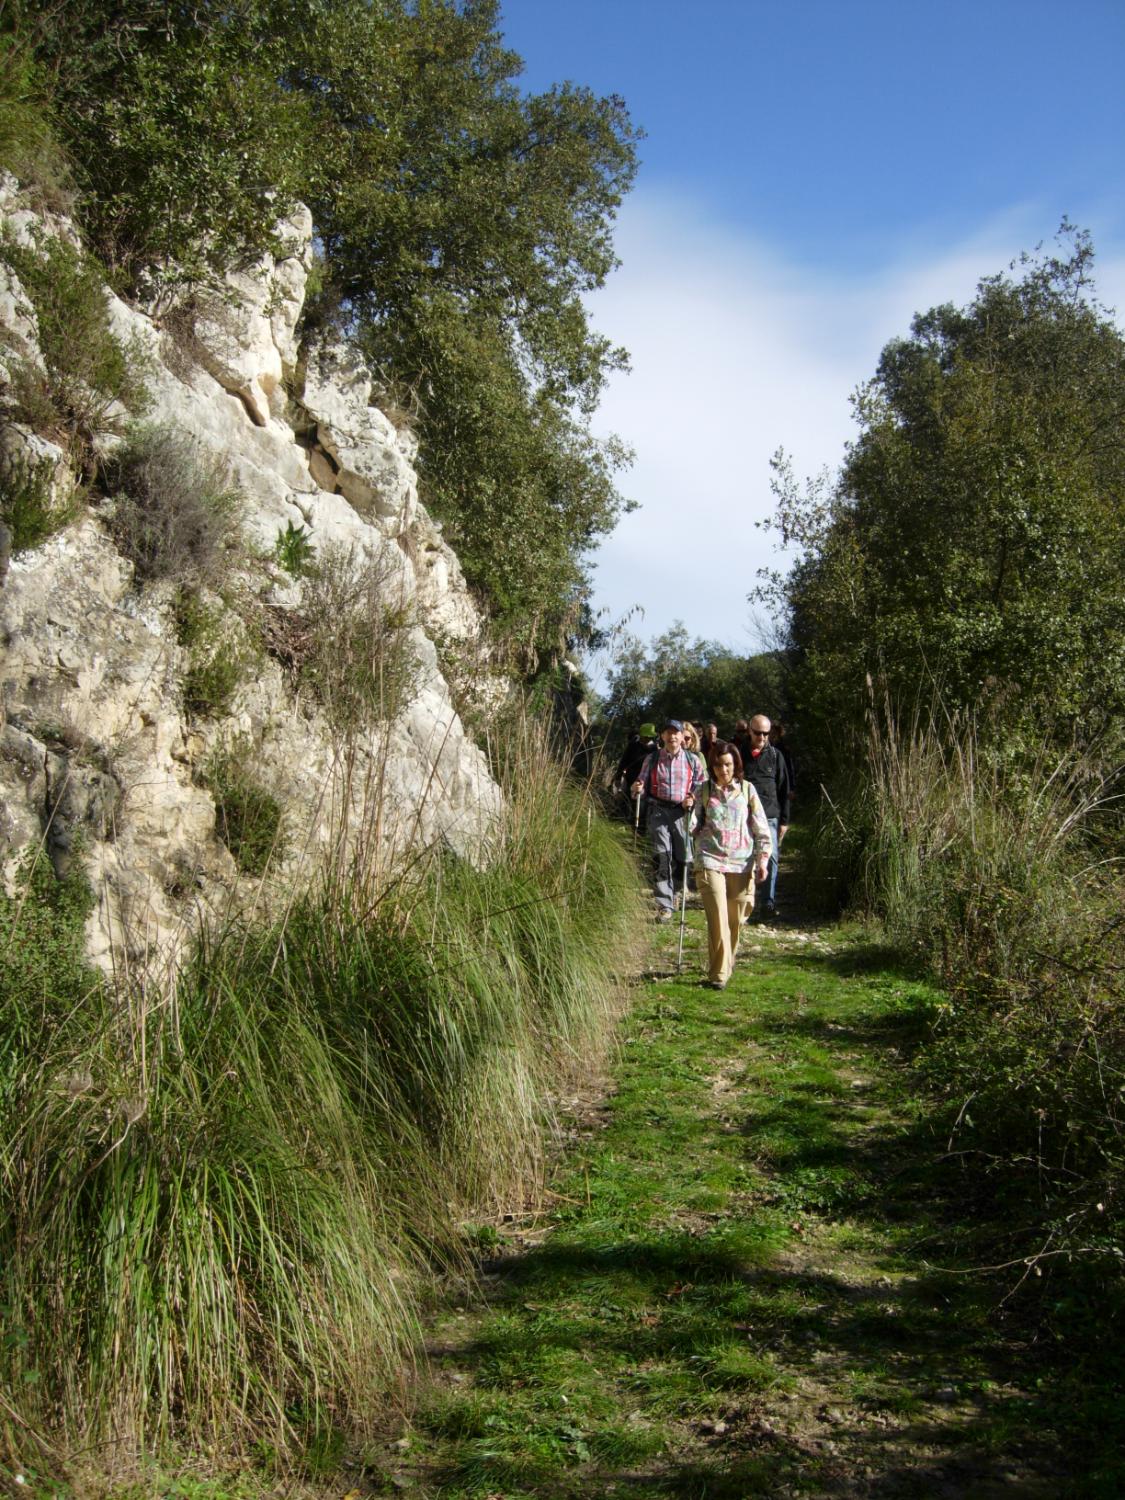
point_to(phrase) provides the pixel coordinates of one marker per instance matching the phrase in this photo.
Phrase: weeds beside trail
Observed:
(221, 1206)
(737, 1290)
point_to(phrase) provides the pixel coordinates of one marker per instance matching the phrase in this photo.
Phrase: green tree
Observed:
(462, 224)
(700, 680)
(184, 140)
(461, 238)
(972, 543)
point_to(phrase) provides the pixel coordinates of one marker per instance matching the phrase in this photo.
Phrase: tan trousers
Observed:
(726, 900)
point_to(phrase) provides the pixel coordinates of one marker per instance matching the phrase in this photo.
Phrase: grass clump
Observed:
(31, 505)
(357, 657)
(44, 976)
(248, 818)
(176, 512)
(217, 655)
(229, 1219)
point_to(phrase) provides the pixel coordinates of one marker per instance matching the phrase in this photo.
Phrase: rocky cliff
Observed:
(106, 755)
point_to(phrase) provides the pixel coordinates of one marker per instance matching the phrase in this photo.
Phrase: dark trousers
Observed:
(667, 826)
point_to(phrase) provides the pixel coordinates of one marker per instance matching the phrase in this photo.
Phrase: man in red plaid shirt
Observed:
(669, 780)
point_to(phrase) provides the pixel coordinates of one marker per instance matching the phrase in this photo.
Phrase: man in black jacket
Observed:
(765, 768)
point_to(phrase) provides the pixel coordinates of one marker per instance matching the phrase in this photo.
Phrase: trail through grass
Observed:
(754, 1275)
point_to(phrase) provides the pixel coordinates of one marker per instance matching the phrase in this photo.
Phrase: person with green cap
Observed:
(642, 742)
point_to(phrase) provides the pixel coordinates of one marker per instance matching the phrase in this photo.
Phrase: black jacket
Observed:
(770, 778)
(632, 759)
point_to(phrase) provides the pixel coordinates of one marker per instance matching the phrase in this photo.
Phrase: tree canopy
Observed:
(972, 543)
(701, 680)
(461, 223)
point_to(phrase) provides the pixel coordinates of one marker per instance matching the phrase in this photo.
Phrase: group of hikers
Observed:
(720, 806)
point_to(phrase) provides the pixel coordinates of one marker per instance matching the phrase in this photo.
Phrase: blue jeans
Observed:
(768, 888)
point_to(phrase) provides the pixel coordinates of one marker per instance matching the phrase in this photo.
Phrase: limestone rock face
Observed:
(246, 334)
(105, 755)
(367, 466)
(18, 322)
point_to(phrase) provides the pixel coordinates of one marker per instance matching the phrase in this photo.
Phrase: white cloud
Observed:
(736, 353)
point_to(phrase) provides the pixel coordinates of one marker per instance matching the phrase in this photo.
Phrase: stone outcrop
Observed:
(99, 759)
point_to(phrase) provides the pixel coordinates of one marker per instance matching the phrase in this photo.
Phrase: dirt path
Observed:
(737, 1292)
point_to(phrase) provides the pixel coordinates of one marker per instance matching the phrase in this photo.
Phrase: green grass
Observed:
(219, 1207)
(248, 818)
(755, 1267)
(751, 1239)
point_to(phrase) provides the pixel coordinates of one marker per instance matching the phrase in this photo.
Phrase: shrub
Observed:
(176, 512)
(29, 147)
(357, 656)
(90, 375)
(30, 505)
(999, 874)
(247, 817)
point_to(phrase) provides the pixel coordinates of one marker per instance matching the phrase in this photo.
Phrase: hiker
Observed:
(732, 852)
(642, 742)
(707, 739)
(692, 746)
(765, 767)
(669, 779)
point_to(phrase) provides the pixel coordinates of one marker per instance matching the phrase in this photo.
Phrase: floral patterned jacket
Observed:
(730, 827)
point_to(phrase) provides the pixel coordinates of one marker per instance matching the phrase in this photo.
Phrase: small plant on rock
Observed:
(294, 550)
(176, 512)
(248, 818)
(31, 506)
(217, 657)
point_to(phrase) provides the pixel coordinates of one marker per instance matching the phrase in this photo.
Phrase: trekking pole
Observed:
(683, 891)
(636, 821)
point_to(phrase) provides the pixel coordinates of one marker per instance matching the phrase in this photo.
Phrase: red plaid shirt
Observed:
(671, 777)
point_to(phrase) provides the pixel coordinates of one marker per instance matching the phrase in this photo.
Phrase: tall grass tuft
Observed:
(1005, 875)
(220, 1203)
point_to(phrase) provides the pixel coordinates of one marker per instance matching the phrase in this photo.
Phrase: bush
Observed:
(29, 147)
(90, 375)
(357, 656)
(247, 818)
(176, 512)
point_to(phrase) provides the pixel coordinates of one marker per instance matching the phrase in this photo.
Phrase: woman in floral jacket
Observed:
(733, 845)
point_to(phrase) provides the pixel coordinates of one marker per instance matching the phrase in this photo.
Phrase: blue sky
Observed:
(814, 173)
